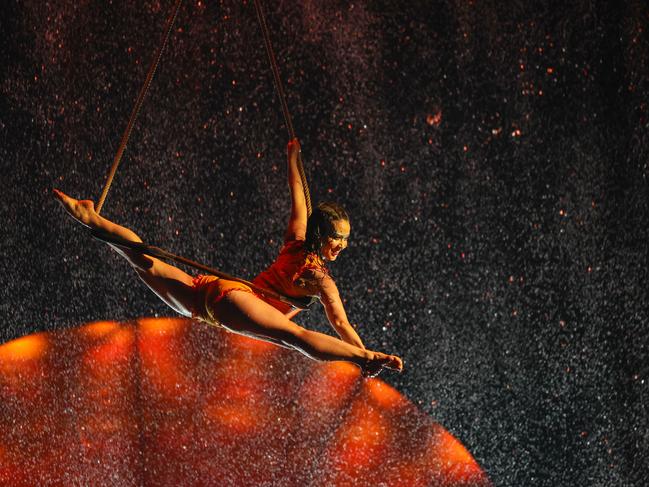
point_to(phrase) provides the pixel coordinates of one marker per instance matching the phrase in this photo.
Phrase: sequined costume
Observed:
(289, 275)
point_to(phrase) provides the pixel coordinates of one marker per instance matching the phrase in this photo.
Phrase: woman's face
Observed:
(336, 242)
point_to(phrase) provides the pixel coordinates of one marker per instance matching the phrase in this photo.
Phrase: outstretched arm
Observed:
(335, 311)
(296, 229)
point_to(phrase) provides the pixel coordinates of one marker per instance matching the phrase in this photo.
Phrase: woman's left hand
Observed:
(293, 147)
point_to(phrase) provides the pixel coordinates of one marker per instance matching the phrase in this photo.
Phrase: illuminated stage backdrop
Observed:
(163, 401)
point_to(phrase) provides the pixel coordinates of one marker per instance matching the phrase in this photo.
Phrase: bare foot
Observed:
(81, 210)
(391, 362)
(374, 366)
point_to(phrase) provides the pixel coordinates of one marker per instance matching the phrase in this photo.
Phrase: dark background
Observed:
(493, 156)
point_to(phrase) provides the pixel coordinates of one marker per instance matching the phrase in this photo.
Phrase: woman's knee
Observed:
(140, 262)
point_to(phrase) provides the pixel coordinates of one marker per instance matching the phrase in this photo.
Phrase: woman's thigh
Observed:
(171, 284)
(245, 313)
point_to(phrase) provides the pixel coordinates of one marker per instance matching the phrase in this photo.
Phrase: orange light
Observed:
(168, 401)
(31, 347)
(434, 119)
(337, 378)
(454, 460)
(98, 329)
(159, 344)
(162, 326)
(237, 385)
(236, 416)
(257, 347)
(116, 348)
(363, 440)
(384, 395)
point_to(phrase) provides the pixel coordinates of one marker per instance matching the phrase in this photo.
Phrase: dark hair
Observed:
(320, 224)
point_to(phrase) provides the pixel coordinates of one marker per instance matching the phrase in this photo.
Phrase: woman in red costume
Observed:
(298, 271)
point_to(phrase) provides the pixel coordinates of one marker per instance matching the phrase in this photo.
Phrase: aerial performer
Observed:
(299, 271)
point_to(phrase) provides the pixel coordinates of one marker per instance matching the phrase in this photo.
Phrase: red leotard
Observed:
(287, 275)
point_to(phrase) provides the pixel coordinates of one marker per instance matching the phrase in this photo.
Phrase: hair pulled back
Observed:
(320, 224)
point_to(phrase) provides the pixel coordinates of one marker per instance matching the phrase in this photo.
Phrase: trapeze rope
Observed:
(136, 108)
(145, 87)
(282, 98)
(163, 254)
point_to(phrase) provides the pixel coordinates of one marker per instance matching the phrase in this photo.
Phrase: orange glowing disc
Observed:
(170, 402)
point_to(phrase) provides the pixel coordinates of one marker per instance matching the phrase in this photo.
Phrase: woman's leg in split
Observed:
(245, 313)
(241, 312)
(169, 283)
